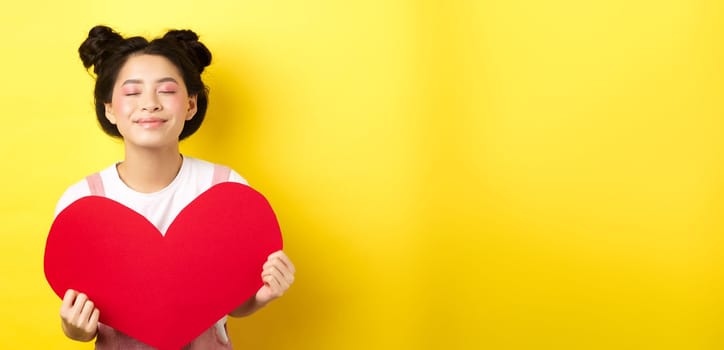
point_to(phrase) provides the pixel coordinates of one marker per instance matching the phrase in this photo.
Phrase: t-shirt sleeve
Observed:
(72, 194)
(235, 177)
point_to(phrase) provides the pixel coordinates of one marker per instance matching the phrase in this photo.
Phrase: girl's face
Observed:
(150, 103)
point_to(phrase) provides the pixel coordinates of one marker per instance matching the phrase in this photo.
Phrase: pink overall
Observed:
(111, 339)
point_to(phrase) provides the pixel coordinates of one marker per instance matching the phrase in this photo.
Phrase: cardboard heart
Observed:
(164, 290)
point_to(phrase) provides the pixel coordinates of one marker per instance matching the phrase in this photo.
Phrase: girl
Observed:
(151, 95)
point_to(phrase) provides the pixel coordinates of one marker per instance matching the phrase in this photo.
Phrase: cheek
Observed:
(122, 105)
(178, 102)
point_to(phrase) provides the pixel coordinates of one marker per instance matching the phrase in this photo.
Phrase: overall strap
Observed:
(221, 174)
(95, 184)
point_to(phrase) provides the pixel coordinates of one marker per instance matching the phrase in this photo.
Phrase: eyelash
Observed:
(162, 92)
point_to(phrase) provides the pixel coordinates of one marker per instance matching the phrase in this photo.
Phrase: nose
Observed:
(150, 103)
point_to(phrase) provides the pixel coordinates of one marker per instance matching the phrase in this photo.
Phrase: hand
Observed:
(278, 276)
(79, 316)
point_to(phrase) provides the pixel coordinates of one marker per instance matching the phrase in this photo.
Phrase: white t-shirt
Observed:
(160, 208)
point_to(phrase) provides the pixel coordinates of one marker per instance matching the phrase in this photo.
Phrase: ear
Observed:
(109, 113)
(192, 107)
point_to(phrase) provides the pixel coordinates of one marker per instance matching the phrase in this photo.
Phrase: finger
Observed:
(281, 256)
(93, 321)
(85, 314)
(288, 263)
(277, 281)
(80, 299)
(273, 284)
(278, 264)
(274, 268)
(272, 275)
(275, 254)
(68, 299)
(75, 311)
(272, 279)
(284, 272)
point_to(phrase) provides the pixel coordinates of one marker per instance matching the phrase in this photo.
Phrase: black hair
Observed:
(107, 51)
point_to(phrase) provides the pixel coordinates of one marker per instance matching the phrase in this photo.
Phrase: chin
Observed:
(151, 143)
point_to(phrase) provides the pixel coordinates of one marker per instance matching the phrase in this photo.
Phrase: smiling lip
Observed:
(150, 122)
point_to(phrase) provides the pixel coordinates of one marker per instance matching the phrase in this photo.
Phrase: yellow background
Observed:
(448, 174)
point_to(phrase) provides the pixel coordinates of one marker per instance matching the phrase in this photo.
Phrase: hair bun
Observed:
(189, 41)
(98, 46)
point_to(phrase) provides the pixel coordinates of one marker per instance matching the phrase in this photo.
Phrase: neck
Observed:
(149, 170)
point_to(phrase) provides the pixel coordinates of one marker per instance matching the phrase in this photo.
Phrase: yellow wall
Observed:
(448, 174)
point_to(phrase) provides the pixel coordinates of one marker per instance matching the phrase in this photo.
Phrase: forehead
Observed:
(148, 68)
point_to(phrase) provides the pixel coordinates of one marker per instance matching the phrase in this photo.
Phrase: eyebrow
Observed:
(139, 81)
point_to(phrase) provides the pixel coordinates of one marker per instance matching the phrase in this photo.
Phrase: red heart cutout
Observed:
(164, 290)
